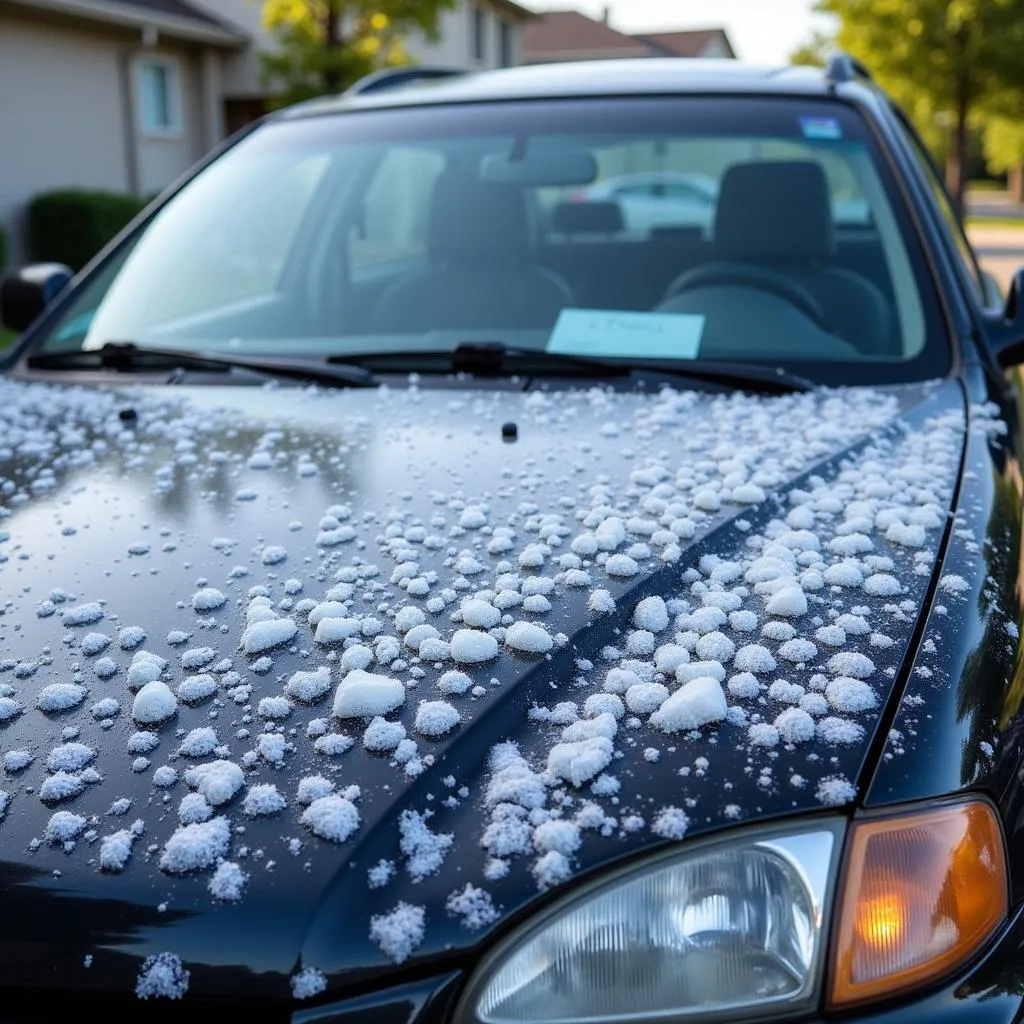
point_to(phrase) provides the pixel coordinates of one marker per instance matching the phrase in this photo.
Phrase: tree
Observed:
(1003, 145)
(941, 59)
(323, 46)
(1002, 139)
(815, 51)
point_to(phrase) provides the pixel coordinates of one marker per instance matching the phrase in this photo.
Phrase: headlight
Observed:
(722, 926)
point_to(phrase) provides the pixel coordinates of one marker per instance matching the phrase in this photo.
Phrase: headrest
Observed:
(471, 219)
(774, 211)
(587, 218)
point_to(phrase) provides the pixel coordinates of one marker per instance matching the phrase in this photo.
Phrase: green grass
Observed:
(1010, 223)
(6, 337)
(985, 185)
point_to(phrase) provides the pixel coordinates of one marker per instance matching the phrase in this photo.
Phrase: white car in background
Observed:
(657, 199)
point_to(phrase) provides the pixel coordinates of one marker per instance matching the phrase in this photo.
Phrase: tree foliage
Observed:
(815, 51)
(323, 46)
(942, 60)
(1003, 143)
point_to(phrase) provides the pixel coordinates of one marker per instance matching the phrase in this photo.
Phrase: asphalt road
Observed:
(992, 204)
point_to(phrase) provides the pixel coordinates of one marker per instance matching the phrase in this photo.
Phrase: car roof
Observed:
(598, 78)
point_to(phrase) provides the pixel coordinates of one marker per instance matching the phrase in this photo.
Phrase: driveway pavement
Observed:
(1000, 251)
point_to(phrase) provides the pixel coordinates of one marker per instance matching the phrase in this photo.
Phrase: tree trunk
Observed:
(332, 82)
(1015, 184)
(956, 166)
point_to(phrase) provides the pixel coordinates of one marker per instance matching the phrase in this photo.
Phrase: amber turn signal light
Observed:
(923, 892)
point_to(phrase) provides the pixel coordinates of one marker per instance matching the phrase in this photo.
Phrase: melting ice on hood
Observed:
(468, 580)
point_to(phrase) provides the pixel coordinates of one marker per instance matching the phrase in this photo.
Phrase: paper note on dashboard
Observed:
(625, 335)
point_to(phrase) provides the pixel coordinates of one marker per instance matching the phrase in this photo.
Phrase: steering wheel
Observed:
(752, 275)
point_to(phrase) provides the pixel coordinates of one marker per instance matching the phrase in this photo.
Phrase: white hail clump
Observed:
(163, 976)
(399, 933)
(228, 882)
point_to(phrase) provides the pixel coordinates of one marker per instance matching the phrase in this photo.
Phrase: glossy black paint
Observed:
(422, 1002)
(309, 897)
(1004, 325)
(959, 724)
(973, 650)
(55, 908)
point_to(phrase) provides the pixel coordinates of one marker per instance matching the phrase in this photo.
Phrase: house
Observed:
(570, 35)
(473, 34)
(126, 95)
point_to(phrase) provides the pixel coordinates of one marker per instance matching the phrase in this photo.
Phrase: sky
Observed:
(762, 31)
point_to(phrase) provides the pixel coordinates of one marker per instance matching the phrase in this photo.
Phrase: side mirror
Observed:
(993, 294)
(26, 292)
(1005, 328)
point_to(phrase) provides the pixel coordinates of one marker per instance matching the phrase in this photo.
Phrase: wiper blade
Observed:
(769, 380)
(483, 358)
(127, 357)
(489, 357)
(751, 376)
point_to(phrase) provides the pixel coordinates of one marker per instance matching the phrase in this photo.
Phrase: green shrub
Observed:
(71, 226)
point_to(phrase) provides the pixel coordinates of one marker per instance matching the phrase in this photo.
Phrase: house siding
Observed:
(70, 105)
(716, 49)
(454, 48)
(242, 74)
(162, 160)
(66, 121)
(62, 122)
(242, 69)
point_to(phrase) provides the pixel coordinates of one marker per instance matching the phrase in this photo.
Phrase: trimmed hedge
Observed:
(71, 226)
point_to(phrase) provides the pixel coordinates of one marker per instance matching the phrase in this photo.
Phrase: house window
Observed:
(159, 97)
(479, 33)
(505, 44)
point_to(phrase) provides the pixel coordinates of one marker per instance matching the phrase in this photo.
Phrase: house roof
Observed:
(174, 18)
(177, 8)
(555, 34)
(515, 9)
(689, 43)
(571, 35)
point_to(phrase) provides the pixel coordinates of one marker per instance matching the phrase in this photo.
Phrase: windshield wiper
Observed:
(766, 380)
(127, 357)
(491, 358)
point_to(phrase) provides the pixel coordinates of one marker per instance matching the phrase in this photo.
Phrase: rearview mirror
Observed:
(26, 292)
(549, 167)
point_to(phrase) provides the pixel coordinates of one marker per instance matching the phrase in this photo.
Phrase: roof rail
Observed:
(394, 78)
(841, 68)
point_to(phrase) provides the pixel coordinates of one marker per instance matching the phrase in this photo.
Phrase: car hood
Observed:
(609, 541)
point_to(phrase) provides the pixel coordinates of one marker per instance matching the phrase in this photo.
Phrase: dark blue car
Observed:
(427, 596)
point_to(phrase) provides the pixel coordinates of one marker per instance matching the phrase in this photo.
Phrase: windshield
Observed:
(762, 229)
